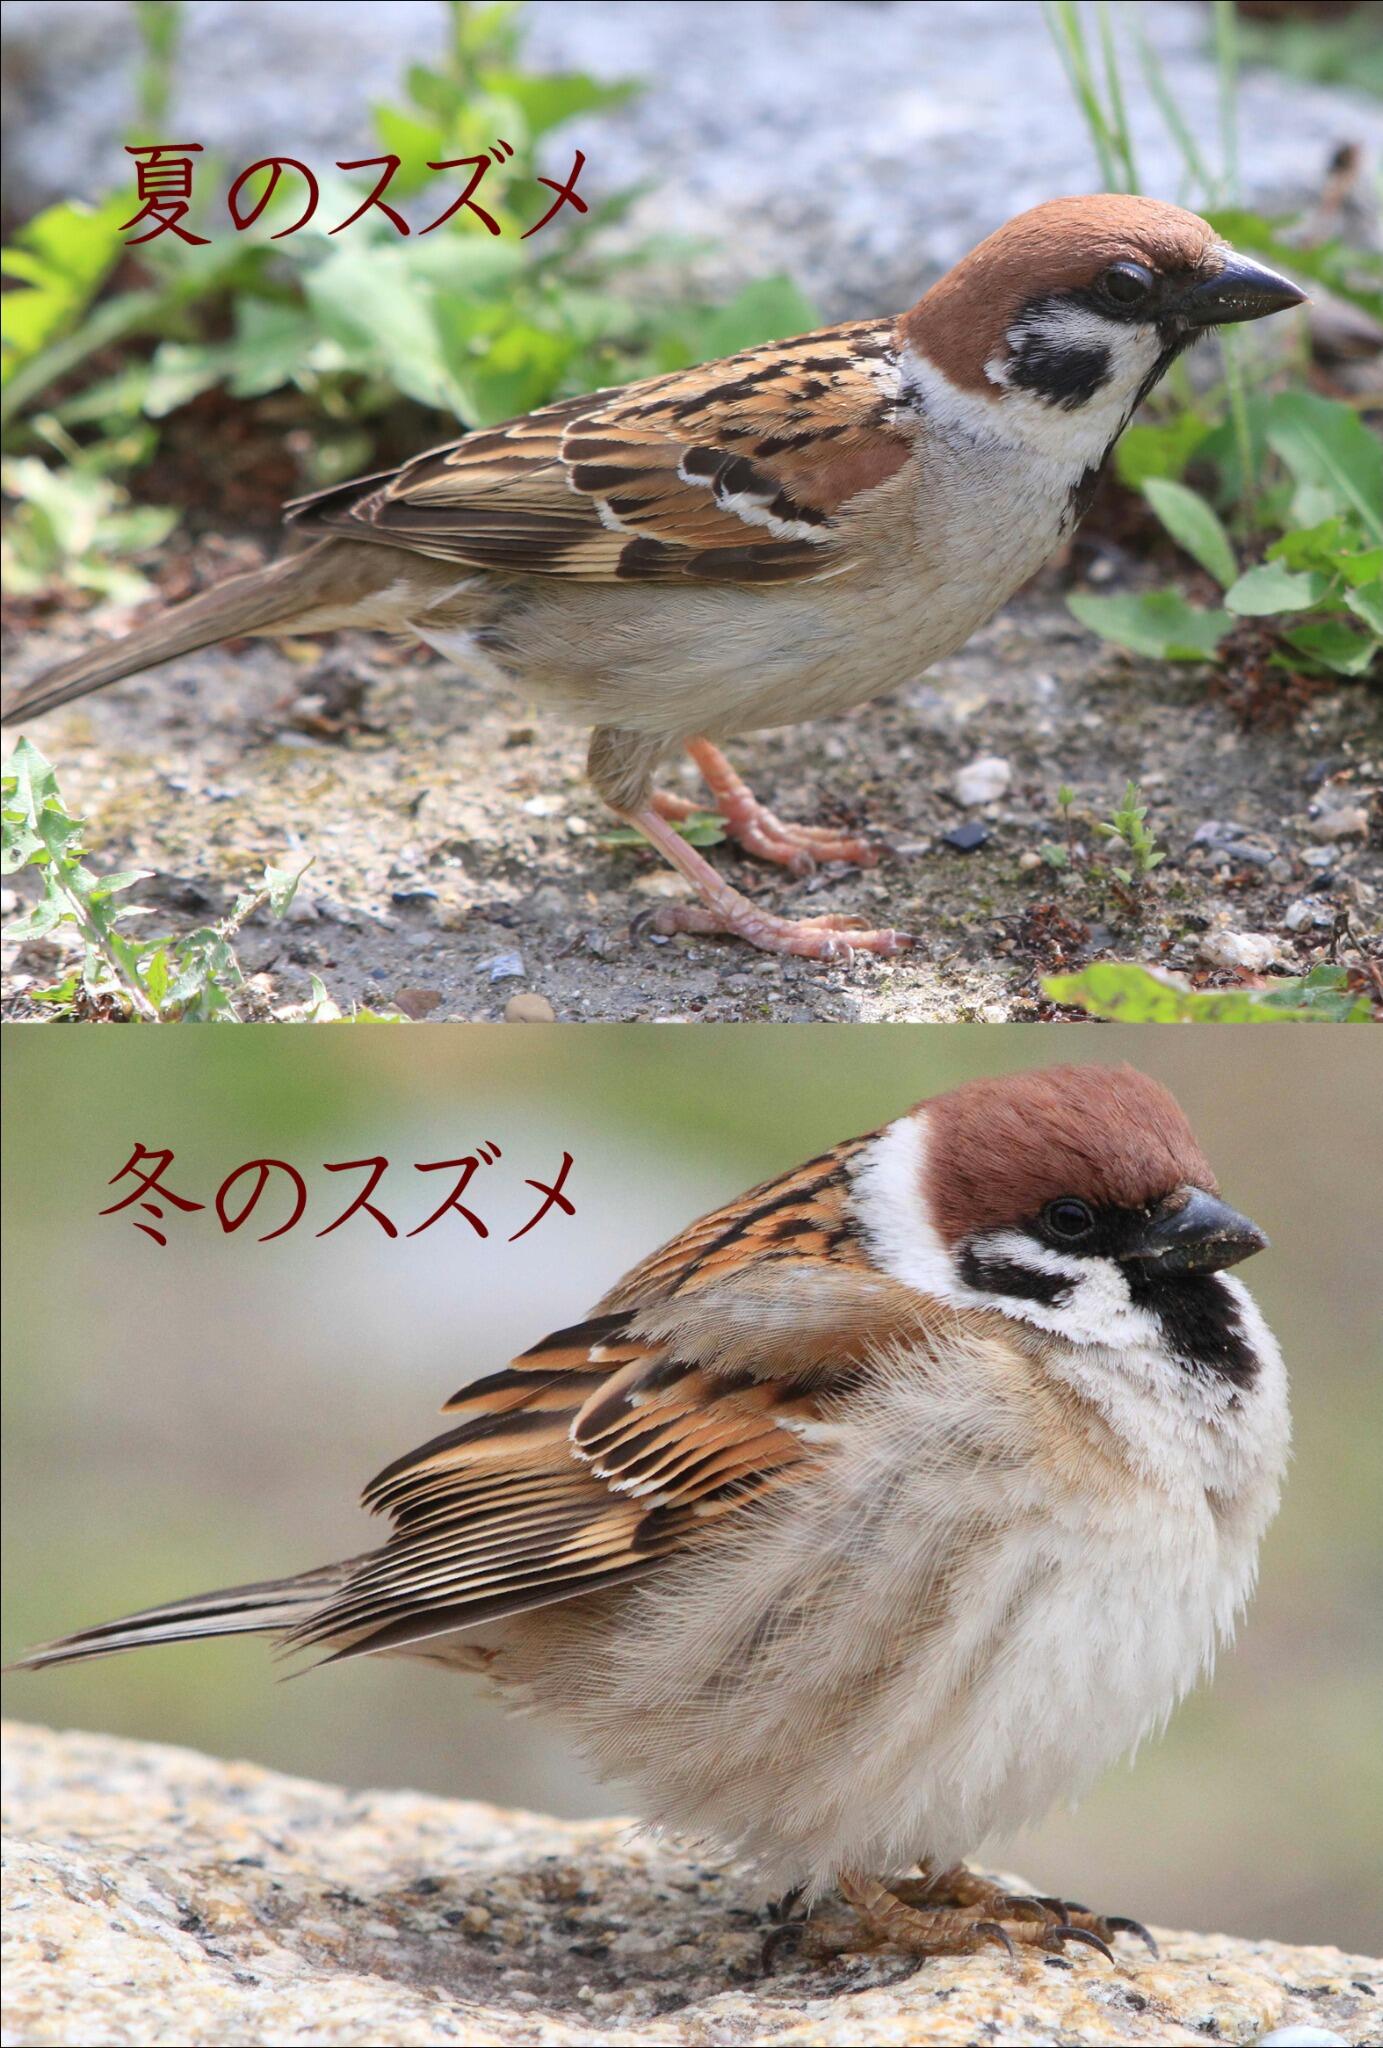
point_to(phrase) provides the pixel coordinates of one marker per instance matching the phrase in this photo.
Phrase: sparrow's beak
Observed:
(1197, 1234)
(1244, 290)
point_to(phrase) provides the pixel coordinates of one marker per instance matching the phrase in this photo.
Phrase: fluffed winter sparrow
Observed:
(875, 1512)
(770, 538)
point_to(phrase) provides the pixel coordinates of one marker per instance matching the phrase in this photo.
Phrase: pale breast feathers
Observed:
(737, 472)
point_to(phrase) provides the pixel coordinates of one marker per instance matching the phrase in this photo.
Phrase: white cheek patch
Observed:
(1094, 1307)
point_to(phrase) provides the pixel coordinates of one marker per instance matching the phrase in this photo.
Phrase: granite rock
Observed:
(154, 1895)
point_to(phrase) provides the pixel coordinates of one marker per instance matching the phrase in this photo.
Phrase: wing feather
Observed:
(736, 471)
(688, 1394)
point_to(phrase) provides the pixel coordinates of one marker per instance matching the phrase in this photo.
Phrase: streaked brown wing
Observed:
(732, 472)
(689, 1394)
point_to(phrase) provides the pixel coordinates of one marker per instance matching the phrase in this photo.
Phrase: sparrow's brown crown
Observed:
(1003, 1147)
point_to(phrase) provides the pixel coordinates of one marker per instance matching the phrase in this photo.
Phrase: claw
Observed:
(1048, 1909)
(1065, 1933)
(999, 1934)
(1119, 1923)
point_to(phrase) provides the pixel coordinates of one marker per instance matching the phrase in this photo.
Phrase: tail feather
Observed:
(319, 587)
(264, 1609)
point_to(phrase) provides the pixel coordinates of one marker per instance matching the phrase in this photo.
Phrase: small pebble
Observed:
(1029, 860)
(1346, 824)
(503, 967)
(982, 780)
(1251, 950)
(417, 1002)
(529, 1008)
(1305, 911)
(967, 837)
(1301, 2037)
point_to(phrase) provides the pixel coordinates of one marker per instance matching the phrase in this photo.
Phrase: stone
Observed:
(529, 1008)
(1350, 823)
(967, 837)
(417, 1003)
(159, 1896)
(981, 780)
(1251, 950)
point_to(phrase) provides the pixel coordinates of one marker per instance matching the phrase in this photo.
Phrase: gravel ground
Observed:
(458, 857)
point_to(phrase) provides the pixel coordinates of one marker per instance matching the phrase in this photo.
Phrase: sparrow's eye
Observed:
(1127, 283)
(1069, 1219)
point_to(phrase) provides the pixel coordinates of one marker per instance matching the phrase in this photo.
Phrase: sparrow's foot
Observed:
(809, 938)
(759, 830)
(723, 909)
(884, 1919)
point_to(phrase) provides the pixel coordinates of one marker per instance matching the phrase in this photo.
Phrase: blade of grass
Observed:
(1068, 34)
(1121, 135)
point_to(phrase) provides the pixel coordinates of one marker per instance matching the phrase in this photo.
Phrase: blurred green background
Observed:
(185, 1417)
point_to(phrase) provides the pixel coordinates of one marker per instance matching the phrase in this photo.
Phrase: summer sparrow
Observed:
(875, 1512)
(770, 538)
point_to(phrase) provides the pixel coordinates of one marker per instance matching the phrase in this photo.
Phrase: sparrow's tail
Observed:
(316, 590)
(265, 1609)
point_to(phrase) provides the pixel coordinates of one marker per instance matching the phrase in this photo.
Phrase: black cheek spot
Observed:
(990, 1274)
(1057, 373)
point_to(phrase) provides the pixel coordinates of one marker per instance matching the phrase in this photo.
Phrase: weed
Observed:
(1125, 994)
(194, 979)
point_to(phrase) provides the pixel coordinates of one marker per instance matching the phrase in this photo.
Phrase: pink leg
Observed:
(723, 909)
(758, 830)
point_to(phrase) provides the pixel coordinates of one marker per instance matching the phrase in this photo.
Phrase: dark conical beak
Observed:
(1243, 290)
(1193, 1232)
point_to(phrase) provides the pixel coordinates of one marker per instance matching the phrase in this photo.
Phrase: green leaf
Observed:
(1332, 645)
(1329, 451)
(1367, 604)
(546, 99)
(1269, 588)
(1129, 994)
(60, 258)
(1194, 525)
(772, 309)
(282, 885)
(1158, 449)
(1156, 622)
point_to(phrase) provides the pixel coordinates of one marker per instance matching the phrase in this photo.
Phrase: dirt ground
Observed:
(457, 855)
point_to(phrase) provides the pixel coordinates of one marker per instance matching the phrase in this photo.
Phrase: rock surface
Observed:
(153, 1895)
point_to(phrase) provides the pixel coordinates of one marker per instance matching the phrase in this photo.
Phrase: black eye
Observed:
(1127, 284)
(1069, 1219)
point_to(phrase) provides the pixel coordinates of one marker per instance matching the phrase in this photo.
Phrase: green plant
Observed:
(76, 525)
(1125, 994)
(1319, 582)
(1290, 521)
(475, 326)
(194, 979)
(1126, 828)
